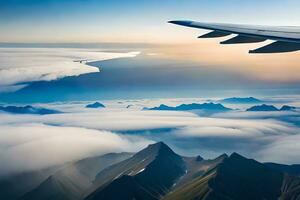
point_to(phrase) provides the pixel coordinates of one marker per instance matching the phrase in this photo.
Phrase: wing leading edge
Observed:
(286, 39)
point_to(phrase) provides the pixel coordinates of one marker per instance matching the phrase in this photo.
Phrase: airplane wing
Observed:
(286, 39)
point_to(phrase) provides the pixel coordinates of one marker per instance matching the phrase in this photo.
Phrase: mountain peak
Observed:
(237, 169)
(287, 108)
(160, 145)
(154, 169)
(159, 148)
(263, 107)
(95, 105)
(235, 155)
(241, 100)
(199, 158)
(222, 157)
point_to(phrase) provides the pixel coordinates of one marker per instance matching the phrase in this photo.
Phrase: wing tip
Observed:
(181, 22)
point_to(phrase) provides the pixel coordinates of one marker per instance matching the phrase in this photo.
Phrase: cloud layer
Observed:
(29, 142)
(34, 146)
(19, 65)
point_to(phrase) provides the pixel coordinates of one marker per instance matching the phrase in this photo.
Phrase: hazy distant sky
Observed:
(191, 62)
(130, 21)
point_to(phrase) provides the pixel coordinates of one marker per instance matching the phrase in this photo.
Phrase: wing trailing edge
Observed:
(242, 39)
(215, 34)
(278, 47)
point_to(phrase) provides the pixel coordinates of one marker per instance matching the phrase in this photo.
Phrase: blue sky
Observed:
(133, 21)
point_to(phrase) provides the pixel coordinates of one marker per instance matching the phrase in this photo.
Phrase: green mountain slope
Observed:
(238, 178)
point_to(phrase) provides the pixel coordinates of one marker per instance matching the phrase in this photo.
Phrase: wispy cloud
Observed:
(284, 150)
(34, 146)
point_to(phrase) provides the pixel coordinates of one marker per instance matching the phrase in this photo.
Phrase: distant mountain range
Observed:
(28, 110)
(95, 105)
(217, 107)
(265, 107)
(241, 100)
(193, 106)
(157, 172)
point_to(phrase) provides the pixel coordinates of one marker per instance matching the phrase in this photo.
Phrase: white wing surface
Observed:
(286, 39)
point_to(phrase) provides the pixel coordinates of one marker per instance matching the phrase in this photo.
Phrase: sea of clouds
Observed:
(21, 65)
(29, 142)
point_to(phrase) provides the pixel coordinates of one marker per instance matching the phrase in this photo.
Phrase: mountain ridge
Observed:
(28, 110)
(193, 106)
(265, 107)
(241, 100)
(157, 172)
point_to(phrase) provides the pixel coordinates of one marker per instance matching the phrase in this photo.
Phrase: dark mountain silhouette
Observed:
(125, 187)
(263, 107)
(157, 172)
(287, 108)
(95, 105)
(28, 110)
(193, 106)
(241, 100)
(199, 158)
(238, 178)
(289, 169)
(148, 175)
